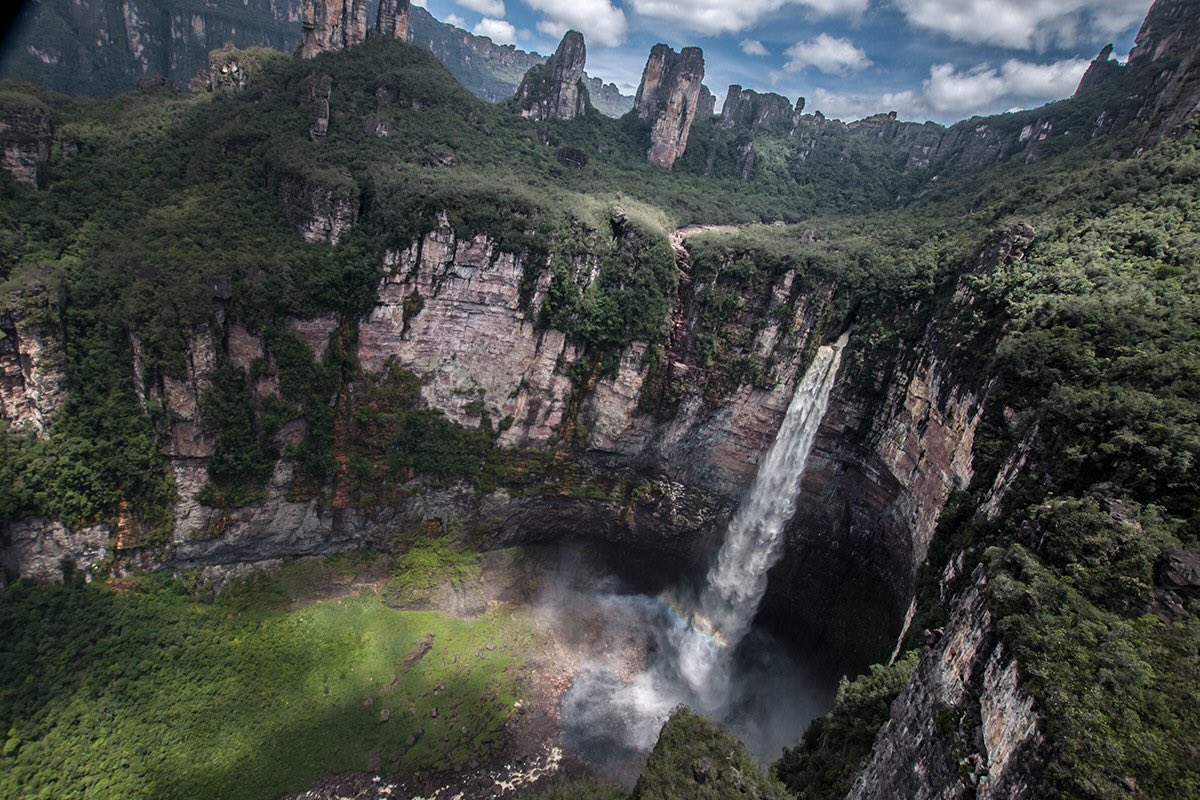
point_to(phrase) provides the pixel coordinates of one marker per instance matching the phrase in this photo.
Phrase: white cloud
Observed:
(1026, 24)
(420, 3)
(455, 20)
(907, 104)
(498, 30)
(599, 20)
(488, 8)
(951, 91)
(753, 47)
(828, 54)
(719, 16)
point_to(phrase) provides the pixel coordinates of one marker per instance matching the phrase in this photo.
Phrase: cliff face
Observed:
(24, 139)
(668, 98)
(32, 373)
(1159, 87)
(104, 46)
(332, 25)
(963, 726)
(748, 108)
(392, 19)
(897, 440)
(555, 90)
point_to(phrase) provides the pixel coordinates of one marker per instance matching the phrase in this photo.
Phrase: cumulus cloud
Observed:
(753, 47)
(455, 20)
(498, 30)
(1025, 24)
(720, 16)
(950, 90)
(599, 20)
(829, 54)
(488, 8)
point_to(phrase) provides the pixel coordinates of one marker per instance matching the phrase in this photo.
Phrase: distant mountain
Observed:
(103, 47)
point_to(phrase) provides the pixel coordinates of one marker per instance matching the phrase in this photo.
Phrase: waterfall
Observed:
(737, 580)
(692, 657)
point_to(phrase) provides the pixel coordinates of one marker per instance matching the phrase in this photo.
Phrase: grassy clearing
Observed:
(149, 693)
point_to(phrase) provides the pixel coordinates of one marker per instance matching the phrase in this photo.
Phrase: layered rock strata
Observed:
(391, 21)
(963, 726)
(332, 25)
(668, 98)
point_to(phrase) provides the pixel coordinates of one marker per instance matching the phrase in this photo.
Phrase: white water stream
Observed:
(737, 580)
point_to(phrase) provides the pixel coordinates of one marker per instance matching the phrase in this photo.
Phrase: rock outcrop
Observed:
(391, 21)
(754, 110)
(230, 69)
(24, 138)
(963, 726)
(706, 106)
(555, 90)
(332, 25)
(668, 98)
(33, 377)
(39, 548)
(320, 212)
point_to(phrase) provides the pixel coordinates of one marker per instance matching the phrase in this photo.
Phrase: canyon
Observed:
(648, 444)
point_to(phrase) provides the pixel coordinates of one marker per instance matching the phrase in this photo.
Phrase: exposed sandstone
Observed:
(33, 378)
(37, 548)
(472, 342)
(754, 110)
(319, 212)
(391, 21)
(332, 25)
(668, 98)
(320, 88)
(24, 140)
(555, 90)
(963, 726)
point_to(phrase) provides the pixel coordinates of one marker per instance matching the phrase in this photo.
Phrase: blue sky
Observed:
(943, 60)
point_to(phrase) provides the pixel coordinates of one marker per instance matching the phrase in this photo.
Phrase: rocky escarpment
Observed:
(754, 110)
(963, 726)
(104, 46)
(1159, 86)
(24, 138)
(896, 442)
(555, 90)
(494, 71)
(668, 99)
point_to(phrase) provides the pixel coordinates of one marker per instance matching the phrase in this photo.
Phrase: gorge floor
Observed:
(581, 622)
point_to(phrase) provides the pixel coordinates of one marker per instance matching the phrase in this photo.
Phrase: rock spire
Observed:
(392, 19)
(555, 90)
(668, 99)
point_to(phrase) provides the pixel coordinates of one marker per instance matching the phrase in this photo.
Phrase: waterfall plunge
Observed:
(737, 581)
(693, 661)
